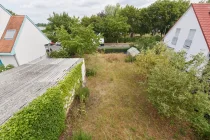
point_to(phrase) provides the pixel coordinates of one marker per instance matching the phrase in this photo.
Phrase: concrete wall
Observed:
(4, 18)
(188, 21)
(6, 60)
(30, 44)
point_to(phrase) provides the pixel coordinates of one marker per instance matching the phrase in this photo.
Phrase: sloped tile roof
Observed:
(15, 22)
(202, 12)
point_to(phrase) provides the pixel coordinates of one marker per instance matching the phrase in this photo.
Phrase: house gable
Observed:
(30, 43)
(187, 23)
(4, 18)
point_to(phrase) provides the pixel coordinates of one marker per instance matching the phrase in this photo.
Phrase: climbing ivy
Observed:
(44, 117)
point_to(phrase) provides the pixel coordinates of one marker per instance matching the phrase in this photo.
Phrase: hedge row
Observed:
(44, 117)
(113, 50)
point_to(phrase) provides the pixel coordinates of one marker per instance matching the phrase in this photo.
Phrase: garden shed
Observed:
(133, 51)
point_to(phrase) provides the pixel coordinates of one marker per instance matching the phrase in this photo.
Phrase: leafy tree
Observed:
(81, 40)
(115, 27)
(112, 10)
(162, 14)
(132, 14)
(95, 21)
(56, 21)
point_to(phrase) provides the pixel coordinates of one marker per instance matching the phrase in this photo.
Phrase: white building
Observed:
(191, 32)
(20, 40)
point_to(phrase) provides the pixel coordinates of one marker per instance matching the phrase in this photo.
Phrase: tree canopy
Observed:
(82, 40)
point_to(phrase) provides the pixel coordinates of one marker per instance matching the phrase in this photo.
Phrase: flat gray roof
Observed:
(19, 86)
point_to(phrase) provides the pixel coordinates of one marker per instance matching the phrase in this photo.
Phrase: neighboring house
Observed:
(191, 32)
(20, 40)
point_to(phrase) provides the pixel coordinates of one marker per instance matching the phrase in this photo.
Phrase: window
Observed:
(189, 39)
(9, 34)
(175, 38)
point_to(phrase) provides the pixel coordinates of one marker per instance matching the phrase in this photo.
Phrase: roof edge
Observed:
(200, 26)
(177, 21)
(18, 36)
(5, 10)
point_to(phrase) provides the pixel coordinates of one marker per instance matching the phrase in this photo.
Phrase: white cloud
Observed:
(39, 10)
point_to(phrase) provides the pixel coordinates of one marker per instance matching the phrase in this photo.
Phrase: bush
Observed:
(114, 50)
(174, 88)
(81, 135)
(9, 67)
(44, 117)
(82, 94)
(90, 72)
(147, 42)
(59, 54)
(130, 59)
(3, 68)
(122, 39)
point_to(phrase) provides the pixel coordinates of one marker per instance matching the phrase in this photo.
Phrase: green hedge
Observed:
(113, 50)
(44, 117)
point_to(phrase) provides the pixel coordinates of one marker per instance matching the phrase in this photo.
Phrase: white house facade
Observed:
(191, 31)
(20, 40)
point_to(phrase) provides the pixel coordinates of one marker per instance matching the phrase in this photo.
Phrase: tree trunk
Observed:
(132, 34)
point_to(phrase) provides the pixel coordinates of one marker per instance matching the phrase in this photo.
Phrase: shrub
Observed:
(90, 72)
(114, 50)
(44, 117)
(3, 68)
(82, 94)
(59, 54)
(174, 87)
(81, 135)
(130, 59)
(147, 42)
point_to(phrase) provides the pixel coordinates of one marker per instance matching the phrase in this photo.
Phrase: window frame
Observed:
(10, 36)
(190, 37)
(176, 36)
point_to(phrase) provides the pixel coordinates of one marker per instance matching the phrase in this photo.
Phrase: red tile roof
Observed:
(202, 12)
(15, 22)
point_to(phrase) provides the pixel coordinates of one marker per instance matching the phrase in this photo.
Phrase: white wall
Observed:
(188, 21)
(6, 60)
(30, 44)
(4, 18)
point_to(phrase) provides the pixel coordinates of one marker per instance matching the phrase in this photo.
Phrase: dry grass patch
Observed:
(118, 108)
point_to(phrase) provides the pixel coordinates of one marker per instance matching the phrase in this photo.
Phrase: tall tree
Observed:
(132, 13)
(96, 21)
(161, 15)
(115, 27)
(112, 10)
(82, 39)
(58, 20)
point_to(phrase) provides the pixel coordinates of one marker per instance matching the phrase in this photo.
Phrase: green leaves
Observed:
(43, 118)
(174, 86)
(82, 39)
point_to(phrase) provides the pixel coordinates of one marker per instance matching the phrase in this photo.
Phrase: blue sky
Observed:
(39, 10)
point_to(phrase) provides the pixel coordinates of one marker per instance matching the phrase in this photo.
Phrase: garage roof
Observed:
(19, 86)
